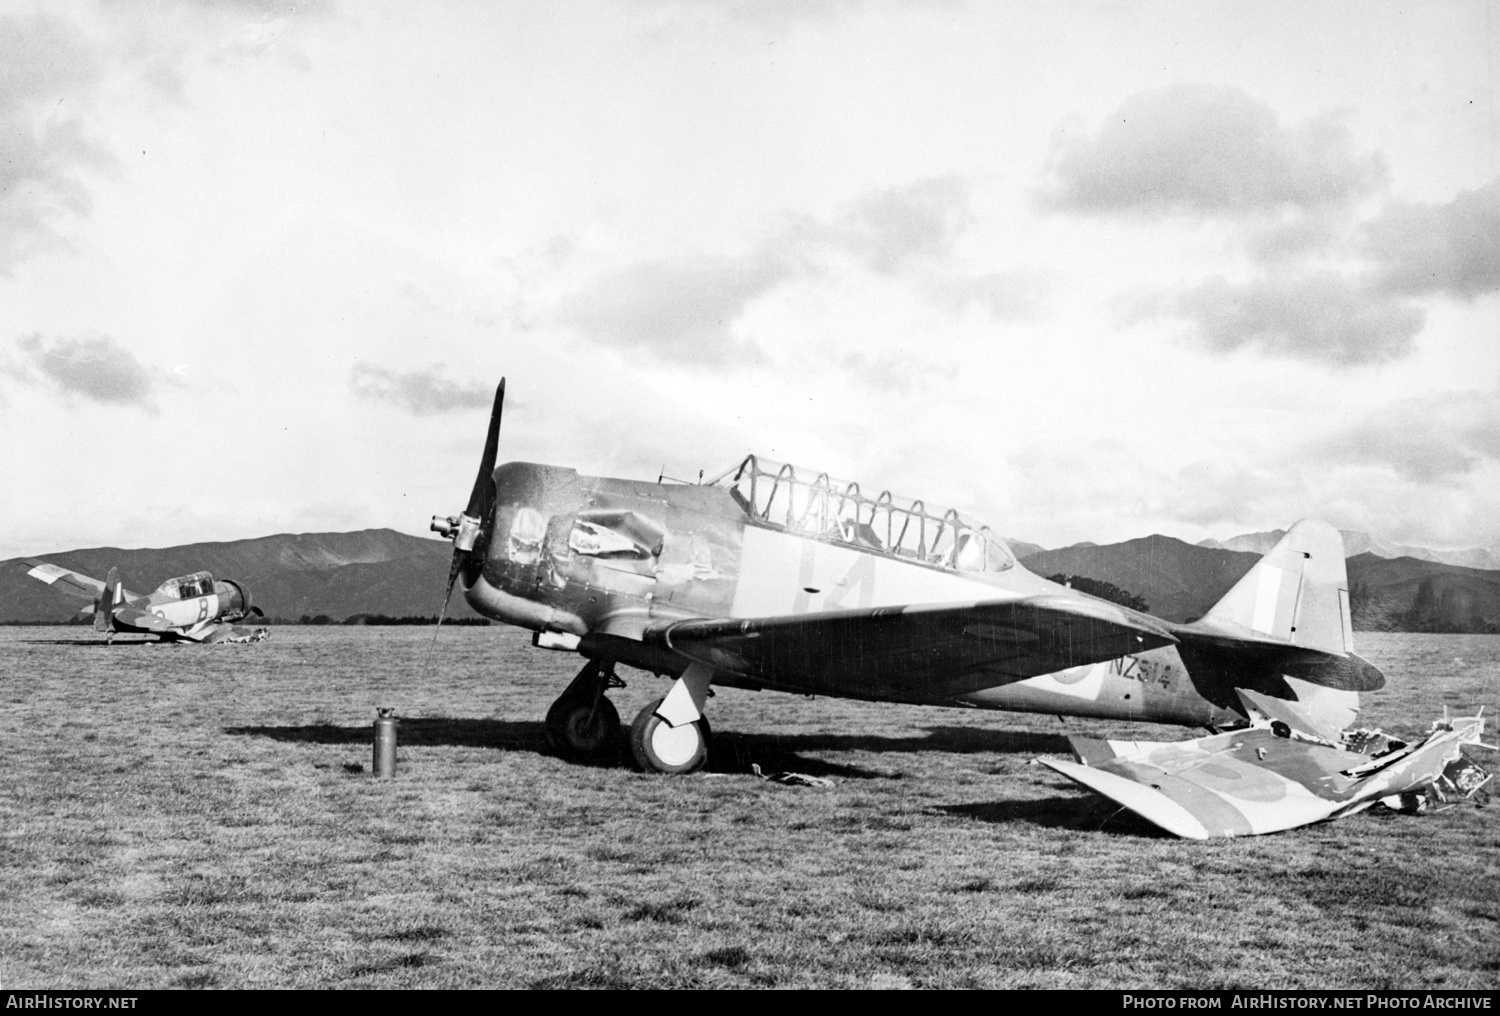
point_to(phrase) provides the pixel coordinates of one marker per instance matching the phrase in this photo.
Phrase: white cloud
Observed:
(420, 392)
(1206, 149)
(92, 367)
(1453, 248)
(44, 149)
(686, 307)
(1322, 316)
(1428, 439)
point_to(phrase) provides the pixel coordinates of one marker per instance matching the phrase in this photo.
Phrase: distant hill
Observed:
(1021, 548)
(338, 574)
(380, 571)
(1356, 543)
(1406, 594)
(1178, 580)
(1181, 581)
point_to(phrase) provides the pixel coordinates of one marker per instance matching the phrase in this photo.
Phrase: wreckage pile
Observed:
(1283, 771)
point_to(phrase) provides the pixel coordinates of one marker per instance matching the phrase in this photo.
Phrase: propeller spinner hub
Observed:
(463, 530)
(467, 534)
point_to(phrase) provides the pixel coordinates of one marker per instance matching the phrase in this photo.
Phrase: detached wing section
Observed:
(65, 581)
(1248, 782)
(922, 654)
(1242, 783)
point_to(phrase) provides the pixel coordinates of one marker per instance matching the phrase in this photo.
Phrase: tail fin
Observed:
(1297, 594)
(109, 599)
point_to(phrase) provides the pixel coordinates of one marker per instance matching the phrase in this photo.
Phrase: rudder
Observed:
(109, 599)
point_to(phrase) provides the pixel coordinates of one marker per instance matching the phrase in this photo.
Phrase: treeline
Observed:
(1104, 590)
(1439, 611)
(376, 619)
(385, 619)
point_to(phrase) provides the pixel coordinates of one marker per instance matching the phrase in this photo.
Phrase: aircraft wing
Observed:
(144, 620)
(1238, 784)
(63, 580)
(921, 653)
(1248, 782)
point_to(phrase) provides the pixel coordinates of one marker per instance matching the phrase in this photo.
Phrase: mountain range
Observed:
(1180, 581)
(380, 571)
(375, 571)
(1356, 543)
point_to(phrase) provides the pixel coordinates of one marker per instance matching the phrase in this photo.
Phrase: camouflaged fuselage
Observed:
(604, 565)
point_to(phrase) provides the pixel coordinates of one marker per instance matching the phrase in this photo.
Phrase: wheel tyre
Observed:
(576, 730)
(659, 747)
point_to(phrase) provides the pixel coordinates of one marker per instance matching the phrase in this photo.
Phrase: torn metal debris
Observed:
(1280, 773)
(791, 779)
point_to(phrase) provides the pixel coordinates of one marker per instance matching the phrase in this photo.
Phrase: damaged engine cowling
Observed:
(234, 599)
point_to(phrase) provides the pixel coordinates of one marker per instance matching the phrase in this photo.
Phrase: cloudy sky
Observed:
(1087, 270)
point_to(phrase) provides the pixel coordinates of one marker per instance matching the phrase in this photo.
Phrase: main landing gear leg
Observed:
(583, 725)
(671, 734)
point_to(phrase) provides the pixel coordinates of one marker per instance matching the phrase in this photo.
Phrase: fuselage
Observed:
(596, 563)
(185, 602)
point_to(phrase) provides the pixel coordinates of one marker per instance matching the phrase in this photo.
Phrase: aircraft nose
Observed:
(234, 599)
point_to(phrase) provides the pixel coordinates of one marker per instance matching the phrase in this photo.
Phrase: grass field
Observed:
(184, 816)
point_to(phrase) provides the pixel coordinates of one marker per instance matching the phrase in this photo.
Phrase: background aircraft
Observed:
(771, 577)
(192, 608)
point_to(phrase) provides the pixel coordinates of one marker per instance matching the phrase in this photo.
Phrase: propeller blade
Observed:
(478, 497)
(487, 461)
(464, 530)
(453, 570)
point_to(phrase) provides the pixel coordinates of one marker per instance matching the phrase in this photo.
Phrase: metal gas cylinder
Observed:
(385, 742)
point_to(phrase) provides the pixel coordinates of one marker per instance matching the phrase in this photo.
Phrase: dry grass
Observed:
(204, 817)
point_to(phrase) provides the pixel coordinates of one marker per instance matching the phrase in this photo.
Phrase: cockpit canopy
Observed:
(814, 504)
(188, 587)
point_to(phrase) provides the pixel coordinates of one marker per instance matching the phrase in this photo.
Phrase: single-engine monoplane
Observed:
(773, 577)
(189, 608)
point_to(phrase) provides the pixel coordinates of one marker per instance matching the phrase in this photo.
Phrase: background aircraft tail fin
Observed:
(108, 600)
(1297, 594)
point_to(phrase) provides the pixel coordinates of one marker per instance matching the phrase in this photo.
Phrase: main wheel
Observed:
(583, 727)
(659, 747)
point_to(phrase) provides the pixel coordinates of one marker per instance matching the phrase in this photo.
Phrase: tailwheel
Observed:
(583, 727)
(659, 747)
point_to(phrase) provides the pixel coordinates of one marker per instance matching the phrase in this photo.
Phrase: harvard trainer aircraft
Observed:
(191, 608)
(772, 577)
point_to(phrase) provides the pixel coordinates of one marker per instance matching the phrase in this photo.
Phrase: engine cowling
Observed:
(234, 599)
